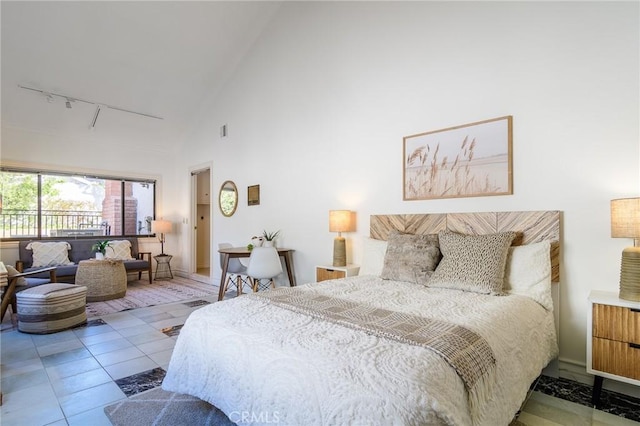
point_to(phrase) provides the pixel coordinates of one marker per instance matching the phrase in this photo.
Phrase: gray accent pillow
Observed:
(410, 258)
(472, 262)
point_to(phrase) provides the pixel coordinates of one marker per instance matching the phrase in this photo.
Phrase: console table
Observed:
(228, 253)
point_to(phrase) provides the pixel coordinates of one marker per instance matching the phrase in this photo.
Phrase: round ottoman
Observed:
(49, 308)
(105, 279)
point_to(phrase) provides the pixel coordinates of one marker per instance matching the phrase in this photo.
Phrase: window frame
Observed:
(39, 173)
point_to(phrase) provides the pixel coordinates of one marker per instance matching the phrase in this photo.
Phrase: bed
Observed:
(451, 335)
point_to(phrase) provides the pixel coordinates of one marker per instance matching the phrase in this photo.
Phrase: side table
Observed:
(613, 340)
(105, 279)
(163, 266)
(328, 272)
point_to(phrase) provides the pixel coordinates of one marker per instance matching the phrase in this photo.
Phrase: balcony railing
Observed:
(55, 223)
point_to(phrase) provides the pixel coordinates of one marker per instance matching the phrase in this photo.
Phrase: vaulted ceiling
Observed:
(157, 58)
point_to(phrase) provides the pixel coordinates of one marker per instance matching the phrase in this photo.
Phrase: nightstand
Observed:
(613, 340)
(328, 272)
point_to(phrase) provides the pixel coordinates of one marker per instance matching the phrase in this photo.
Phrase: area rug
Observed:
(157, 407)
(141, 294)
(161, 408)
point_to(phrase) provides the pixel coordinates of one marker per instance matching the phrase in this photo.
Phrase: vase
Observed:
(99, 256)
(268, 243)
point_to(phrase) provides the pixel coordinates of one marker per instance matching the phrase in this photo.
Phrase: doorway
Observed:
(201, 219)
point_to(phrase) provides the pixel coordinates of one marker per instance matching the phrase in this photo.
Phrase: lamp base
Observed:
(630, 274)
(339, 252)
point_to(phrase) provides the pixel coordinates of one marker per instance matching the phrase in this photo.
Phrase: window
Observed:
(52, 205)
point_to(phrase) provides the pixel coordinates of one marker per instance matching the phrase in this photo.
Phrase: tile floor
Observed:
(67, 378)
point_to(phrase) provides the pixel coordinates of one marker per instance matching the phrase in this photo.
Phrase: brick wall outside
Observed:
(112, 204)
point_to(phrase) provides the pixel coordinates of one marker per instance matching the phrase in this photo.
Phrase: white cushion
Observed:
(119, 249)
(11, 272)
(373, 256)
(50, 253)
(528, 272)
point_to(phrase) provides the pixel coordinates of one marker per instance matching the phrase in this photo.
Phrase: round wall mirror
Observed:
(228, 198)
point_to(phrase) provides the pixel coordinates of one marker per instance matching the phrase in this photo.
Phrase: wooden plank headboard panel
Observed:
(531, 226)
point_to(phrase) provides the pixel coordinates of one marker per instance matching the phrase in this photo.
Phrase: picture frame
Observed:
(470, 160)
(253, 195)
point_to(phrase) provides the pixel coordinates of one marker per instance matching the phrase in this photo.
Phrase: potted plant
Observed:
(269, 238)
(101, 248)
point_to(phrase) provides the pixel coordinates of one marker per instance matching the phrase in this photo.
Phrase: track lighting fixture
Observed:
(99, 105)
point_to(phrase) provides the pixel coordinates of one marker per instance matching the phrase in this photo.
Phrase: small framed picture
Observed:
(253, 195)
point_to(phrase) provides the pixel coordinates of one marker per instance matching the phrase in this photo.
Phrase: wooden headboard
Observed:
(532, 227)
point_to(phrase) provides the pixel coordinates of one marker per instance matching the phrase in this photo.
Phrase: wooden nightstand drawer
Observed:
(616, 323)
(323, 274)
(613, 340)
(326, 272)
(619, 358)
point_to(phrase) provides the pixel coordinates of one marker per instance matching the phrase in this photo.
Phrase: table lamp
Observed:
(161, 227)
(340, 221)
(625, 223)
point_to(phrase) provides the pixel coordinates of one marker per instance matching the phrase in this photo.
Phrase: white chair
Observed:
(264, 265)
(236, 272)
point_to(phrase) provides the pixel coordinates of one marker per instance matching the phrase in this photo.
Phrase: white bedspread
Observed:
(261, 364)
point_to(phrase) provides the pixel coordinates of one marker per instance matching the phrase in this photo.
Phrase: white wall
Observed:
(317, 111)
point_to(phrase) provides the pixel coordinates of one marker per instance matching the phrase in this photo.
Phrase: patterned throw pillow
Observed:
(50, 254)
(119, 249)
(410, 258)
(472, 262)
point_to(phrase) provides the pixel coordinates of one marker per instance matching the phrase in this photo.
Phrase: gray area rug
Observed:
(161, 408)
(157, 407)
(141, 294)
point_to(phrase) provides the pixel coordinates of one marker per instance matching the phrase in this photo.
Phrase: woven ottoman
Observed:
(105, 279)
(50, 308)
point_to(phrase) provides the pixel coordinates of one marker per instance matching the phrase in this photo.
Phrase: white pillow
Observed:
(528, 272)
(119, 249)
(11, 272)
(50, 254)
(373, 256)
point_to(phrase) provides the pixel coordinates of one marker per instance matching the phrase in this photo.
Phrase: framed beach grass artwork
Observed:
(470, 160)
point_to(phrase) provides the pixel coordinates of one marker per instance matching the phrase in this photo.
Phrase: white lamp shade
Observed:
(161, 226)
(625, 218)
(341, 221)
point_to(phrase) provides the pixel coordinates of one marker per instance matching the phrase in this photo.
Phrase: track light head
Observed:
(68, 103)
(95, 118)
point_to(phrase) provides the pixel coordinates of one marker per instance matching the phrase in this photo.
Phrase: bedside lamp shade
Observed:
(161, 227)
(625, 223)
(340, 221)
